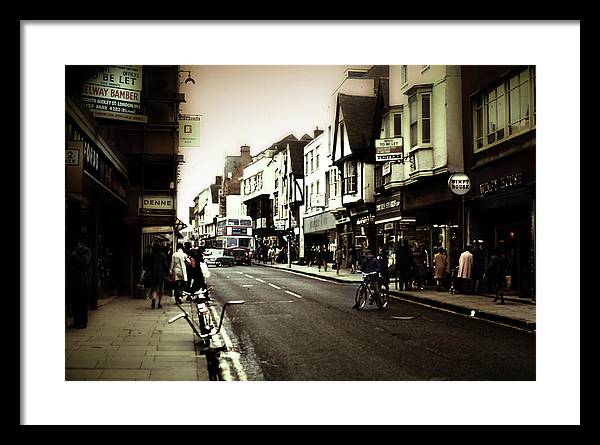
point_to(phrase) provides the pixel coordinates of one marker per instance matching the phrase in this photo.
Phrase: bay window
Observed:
(505, 109)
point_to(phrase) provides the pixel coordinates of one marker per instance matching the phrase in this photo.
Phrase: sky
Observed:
(253, 105)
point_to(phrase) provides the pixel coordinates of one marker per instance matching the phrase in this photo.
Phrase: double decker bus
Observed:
(235, 235)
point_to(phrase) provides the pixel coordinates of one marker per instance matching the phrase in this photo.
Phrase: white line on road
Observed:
(315, 278)
(249, 276)
(291, 293)
(258, 279)
(241, 273)
(237, 366)
(272, 285)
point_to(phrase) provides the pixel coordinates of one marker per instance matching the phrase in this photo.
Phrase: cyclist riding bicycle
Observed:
(371, 265)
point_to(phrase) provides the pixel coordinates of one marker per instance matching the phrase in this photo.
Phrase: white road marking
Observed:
(272, 285)
(247, 285)
(291, 293)
(249, 276)
(241, 273)
(314, 278)
(223, 366)
(258, 279)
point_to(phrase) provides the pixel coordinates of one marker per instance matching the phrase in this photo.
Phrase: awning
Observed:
(319, 223)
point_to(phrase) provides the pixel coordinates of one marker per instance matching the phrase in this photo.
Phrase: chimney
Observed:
(218, 180)
(245, 155)
(317, 132)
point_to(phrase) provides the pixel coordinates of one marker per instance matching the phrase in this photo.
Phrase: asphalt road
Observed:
(297, 328)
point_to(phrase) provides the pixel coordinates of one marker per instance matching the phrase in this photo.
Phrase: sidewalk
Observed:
(516, 312)
(127, 340)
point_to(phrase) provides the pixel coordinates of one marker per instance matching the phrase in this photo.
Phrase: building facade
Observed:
(499, 130)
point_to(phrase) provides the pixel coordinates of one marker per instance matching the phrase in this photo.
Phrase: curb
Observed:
(462, 310)
(474, 313)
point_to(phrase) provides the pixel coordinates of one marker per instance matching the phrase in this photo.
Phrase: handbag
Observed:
(204, 269)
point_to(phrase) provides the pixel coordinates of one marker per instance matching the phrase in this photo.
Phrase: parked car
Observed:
(218, 257)
(242, 256)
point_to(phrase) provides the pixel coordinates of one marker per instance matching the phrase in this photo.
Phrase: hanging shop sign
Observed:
(114, 92)
(189, 130)
(388, 149)
(386, 169)
(157, 205)
(459, 183)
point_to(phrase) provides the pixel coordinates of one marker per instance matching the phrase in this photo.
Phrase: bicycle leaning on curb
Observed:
(202, 321)
(365, 292)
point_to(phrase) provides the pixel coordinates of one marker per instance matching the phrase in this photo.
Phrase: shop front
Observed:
(95, 201)
(319, 230)
(502, 213)
(431, 217)
(362, 223)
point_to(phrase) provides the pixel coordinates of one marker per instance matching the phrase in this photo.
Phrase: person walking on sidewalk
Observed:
(384, 267)
(179, 270)
(495, 274)
(352, 258)
(420, 266)
(79, 283)
(404, 262)
(339, 256)
(439, 264)
(324, 256)
(465, 269)
(157, 272)
(478, 266)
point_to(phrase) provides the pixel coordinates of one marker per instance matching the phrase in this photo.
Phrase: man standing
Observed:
(79, 283)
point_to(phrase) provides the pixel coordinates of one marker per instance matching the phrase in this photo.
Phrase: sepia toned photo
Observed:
(289, 222)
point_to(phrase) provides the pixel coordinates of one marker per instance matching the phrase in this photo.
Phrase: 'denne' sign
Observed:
(459, 183)
(156, 205)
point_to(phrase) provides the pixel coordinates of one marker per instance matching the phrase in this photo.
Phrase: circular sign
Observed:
(459, 183)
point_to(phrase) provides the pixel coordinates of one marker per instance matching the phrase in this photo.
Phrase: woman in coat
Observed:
(179, 270)
(157, 271)
(439, 265)
(420, 265)
(465, 268)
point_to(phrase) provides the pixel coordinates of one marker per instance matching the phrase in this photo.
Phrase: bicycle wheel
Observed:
(384, 297)
(362, 295)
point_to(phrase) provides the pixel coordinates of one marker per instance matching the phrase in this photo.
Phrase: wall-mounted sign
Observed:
(459, 183)
(160, 205)
(72, 156)
(501, 184)
(279, 225)
(318, 200)
(114, 92)
(388, 149)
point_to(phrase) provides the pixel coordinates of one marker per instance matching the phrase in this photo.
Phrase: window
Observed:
(403, 74)
(312, 167)
(397, 119)
(329, 139)
(412, 106)
(350, 177)
(334, 178)
(425, 118)
(306, 196)
(317, 161)
(505, 109)
(275, 204)
(318, 186)
(419, 107)
(306, 163)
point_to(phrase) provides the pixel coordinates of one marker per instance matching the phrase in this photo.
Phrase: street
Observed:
(294, 327)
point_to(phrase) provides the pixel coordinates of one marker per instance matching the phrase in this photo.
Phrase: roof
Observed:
(359, 115)
(297, 155)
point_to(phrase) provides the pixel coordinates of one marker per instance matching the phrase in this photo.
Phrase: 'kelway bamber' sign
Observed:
(114, 92)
